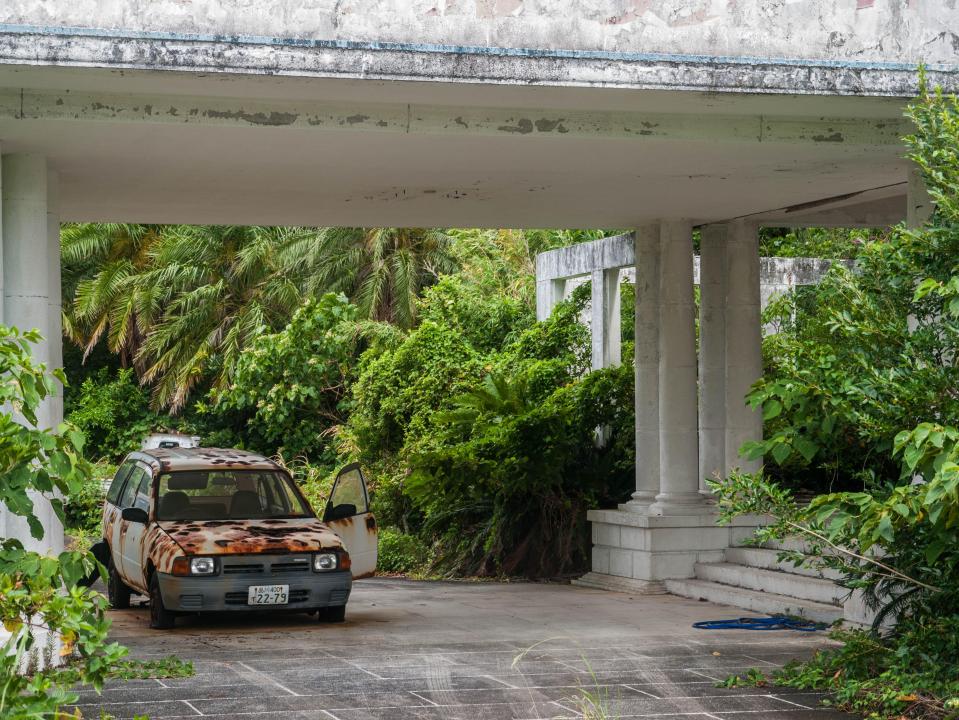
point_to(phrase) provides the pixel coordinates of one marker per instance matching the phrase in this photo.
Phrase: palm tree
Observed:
(224, 286)
(102, 264)
(382, 270)
(181, 302)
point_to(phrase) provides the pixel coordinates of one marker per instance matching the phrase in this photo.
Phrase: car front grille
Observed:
(266, 565)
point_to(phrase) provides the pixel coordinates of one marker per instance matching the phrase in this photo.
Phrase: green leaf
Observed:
(771, 409)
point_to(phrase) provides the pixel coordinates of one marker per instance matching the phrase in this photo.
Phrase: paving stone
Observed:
(451, 651)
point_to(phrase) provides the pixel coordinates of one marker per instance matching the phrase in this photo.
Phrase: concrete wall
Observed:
(854, 30)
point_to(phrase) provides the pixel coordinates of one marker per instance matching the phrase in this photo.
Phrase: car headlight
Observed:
(202, 566)
(324, 562)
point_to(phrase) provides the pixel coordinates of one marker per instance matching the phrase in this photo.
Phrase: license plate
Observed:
(268, 595)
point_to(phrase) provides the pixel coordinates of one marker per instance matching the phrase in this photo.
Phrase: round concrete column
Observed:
(646, 351)
(712, 353)
(678, 413)
(744, 356)
(28, 275)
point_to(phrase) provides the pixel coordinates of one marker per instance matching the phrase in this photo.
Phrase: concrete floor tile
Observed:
(451, 651)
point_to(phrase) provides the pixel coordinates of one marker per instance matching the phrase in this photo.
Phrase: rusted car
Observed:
(203, 529)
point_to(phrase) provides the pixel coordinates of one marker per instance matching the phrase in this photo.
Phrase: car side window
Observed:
(130, 489)
(142, 498)
(350, 490)
(113, 494)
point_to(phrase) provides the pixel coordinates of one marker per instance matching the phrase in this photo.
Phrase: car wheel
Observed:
(333, 614)
(117, 590)
(160, 617)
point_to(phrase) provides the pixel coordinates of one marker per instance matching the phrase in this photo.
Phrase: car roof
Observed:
(175, 459)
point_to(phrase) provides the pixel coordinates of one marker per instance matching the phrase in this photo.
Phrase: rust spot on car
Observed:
(370, 523)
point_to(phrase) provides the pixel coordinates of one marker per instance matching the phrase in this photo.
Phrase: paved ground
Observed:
(456, 651)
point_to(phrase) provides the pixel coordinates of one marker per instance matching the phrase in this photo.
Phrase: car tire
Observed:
(117, 590)
(160, 617)
(333, 614)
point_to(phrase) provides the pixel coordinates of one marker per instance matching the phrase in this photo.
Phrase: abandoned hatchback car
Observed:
(202, 529)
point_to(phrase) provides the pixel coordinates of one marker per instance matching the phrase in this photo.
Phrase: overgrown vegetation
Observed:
(56, 630)
(862, 387)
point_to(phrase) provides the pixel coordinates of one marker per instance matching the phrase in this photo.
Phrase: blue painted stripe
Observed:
(58, 31)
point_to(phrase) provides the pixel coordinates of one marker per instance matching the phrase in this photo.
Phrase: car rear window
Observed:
(228, 495)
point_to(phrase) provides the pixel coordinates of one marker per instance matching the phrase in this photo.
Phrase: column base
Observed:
(691, 503)
(615, 583)
(635, 546)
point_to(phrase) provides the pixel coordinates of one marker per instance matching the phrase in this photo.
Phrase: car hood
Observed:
(233, 537)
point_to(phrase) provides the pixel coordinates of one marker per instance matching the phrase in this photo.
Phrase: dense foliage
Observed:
(863, 387)
(113, 412)
(290, 388)
(869, 353)
(179, 303)
(480, 428)
(56, 631)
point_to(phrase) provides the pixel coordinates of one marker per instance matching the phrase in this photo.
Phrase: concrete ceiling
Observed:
(171, 147)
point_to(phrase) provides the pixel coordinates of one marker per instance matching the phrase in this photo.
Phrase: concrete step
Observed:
(768, 559)
(772, 581)
(793, 544)
(754, 600)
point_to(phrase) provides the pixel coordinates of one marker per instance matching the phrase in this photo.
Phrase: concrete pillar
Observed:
(605, 323)
(744, 357)
(919, 205)
(678, 404)
(712, 354)
(54, 329)
(28, 276)
(647, 367)
(549, 293)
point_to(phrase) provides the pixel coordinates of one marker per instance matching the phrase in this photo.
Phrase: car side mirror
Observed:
(135, 514)
(344, 510)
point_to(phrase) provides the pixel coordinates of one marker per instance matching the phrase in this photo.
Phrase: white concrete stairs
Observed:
(755, 579)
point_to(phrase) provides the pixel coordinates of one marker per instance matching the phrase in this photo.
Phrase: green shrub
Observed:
(40, 590)
(914, 673)
(113, 412)
(876, 354)
(291, 387)
(492, 456)
(83, 508)
(401, 553)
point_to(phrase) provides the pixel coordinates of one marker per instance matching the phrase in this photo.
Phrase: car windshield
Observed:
(228, 495)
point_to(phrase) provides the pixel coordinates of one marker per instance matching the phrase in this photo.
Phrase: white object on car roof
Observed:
(169, 440)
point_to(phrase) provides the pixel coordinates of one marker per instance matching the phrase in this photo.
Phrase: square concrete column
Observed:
(549, 293)
(743, 327)
(54, 329)
(678, 402)
(30, 269)
(646, 351)
(605, 323)
(712, 353)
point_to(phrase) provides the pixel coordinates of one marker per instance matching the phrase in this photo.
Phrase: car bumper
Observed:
(222, 593)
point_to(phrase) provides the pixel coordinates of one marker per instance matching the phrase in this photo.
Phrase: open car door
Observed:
(348, 515)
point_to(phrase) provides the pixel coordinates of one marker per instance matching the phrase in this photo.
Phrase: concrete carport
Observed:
(658, 116)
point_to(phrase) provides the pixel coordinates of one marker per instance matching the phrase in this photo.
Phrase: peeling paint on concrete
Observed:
(382, 117)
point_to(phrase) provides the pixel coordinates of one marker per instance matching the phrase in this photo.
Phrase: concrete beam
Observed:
(28, 104)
